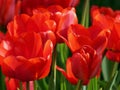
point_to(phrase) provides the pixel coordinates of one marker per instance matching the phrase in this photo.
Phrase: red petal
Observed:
(11, 84)
(19, 25)
(77, 37)
(68, 18)
(23, 69)
(101, 41)
(68, 74)
(80, 67)
(48, 49)
(73, 42)
(113, 56)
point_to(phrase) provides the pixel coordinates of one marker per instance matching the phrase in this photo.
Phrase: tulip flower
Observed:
(27, 57)
(77, 36)
(11, 84)
(28, 44)
(39, 23)
(84, 65)
(63, 17)
(28, 5)
(8, 8)
(107, 18)
(14, 84)
(48, 22)
(68, 74)
(1, 38)
(87, 47)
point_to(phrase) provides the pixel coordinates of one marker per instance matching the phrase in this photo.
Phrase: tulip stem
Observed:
(20, 88)
(85, 14)
(94, 83)
(79, 85)
(27, 86)
(84, 87)
(35, 85)
(52, 83)
(2, 83)
(115, 66)
(54, 69)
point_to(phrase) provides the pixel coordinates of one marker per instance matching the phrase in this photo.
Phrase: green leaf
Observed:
(118, 78)
(2, 82)
(85, 14)
(93, 84)
(52, 79)
(41, 84)
(110, 85)
(107, 67)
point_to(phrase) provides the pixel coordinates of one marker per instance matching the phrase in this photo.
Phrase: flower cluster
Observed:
(36, 27)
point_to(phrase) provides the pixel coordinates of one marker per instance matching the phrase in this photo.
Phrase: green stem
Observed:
(112, 82)
(54, 74)
(114, 79)
(84, 87)
(2, 83)
(118, 78)
(52, 83)
(85, 14)
(79, 85)
(115, 66)
(54, 70)
(62, 83)
(35, 85)
(21, 88)
(94, 84)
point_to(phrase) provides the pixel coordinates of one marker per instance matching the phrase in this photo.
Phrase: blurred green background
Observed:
(114, 4)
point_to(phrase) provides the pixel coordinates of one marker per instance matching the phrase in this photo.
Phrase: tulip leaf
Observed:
(93, 84)
(111, 84)
(62, 83)
(107, 66)
(41, 84)
(85, 14)
(2, 83)
(52, 79)
(118, 78)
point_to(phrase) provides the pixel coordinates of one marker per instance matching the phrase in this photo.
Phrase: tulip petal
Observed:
(47, 52)
(22, 69)
(68, 74)
(80, 67)
(100, 43)
(18, 24)
(113, 56)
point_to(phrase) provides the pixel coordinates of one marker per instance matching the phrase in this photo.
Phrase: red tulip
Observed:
(39, 23)
(2, 36)
(27, 57)
(55, 19)
(107, 18)
(64, 18)
(68, 74)
(87, 47)
(14, 84)
(11, 84)
(8, 8)
(67, 19)
(84, 65)
(77, 36)
(29, 5)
